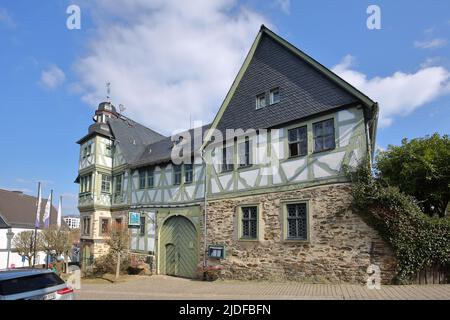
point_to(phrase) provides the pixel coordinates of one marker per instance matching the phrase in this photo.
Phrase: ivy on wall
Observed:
(418, 240)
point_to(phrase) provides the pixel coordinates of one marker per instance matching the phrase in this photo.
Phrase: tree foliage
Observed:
(418, 240)
(421, 168)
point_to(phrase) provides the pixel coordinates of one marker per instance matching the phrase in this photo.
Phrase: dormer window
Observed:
(260, 101)
(274, 95)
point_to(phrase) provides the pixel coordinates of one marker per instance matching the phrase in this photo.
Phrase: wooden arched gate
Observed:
(178, 247)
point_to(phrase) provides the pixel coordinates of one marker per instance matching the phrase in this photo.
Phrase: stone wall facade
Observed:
(340, 248)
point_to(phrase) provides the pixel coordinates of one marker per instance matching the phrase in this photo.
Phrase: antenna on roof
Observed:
(190, 121)
(108, 91)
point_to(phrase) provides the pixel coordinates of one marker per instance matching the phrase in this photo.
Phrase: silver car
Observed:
(33, 284)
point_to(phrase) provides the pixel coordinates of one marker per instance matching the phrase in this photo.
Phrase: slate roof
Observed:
(160, 152)
(132, 137)
(19, 210)
(307, 88)
(96, 128)
(304, 90)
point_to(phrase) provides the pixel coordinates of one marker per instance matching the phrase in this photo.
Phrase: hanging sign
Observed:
(134, 219)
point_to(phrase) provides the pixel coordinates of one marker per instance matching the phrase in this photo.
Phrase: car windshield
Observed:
(29, 283)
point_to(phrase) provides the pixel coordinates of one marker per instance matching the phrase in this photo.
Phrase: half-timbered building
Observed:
(270, 201)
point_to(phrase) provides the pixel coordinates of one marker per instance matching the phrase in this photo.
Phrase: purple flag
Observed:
(38, 207)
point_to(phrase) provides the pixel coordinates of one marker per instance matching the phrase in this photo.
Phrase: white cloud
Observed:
(431, 44)
(166, 61)
(400, 93)
(285, 5)
(6, 19)
(52, 77)
(431, 62)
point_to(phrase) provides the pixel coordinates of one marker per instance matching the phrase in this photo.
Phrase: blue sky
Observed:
(52, 78)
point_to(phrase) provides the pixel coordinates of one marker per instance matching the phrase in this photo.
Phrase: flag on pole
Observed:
(48, 207)
(38, 207)
(58, 220)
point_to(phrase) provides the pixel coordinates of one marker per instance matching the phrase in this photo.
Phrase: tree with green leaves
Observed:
(421, 168)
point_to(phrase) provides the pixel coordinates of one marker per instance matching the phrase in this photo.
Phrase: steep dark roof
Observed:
(160, 152)
(304, 91)
(307, 88)
(132, 137)
(96, 128)
(19, 210)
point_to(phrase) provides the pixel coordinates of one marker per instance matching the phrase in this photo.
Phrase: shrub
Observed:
(108, 263)
(418, 240)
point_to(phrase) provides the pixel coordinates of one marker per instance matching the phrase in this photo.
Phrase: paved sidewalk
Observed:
(163, 287)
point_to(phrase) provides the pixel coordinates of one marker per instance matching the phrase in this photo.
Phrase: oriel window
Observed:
(106, 183)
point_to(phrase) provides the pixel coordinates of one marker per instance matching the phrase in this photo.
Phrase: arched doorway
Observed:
(178, 247)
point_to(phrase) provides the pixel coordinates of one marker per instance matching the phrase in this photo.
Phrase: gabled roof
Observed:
(317, 89)
(18, 210)
(160, 151)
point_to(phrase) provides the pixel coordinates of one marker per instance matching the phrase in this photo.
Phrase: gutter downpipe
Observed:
(205, 208)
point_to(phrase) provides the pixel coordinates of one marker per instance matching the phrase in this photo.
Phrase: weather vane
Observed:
(108, 91)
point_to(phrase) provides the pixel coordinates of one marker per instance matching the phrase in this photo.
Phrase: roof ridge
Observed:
(125, 118)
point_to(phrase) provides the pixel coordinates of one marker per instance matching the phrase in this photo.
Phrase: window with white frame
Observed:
(177, 170)
(188, 173)
(106, 183)
(274, 95)
(86, 226)
(298, 141)
(142, 179)
(244, 153)
(150, 178)
(227, 158)
(118, 184)
(85, 183)
(323, 134)
(260, 101)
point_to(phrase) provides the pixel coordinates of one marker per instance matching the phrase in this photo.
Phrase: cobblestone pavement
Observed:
(163, 287)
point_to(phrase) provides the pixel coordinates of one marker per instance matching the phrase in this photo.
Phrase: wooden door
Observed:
(179, 241)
